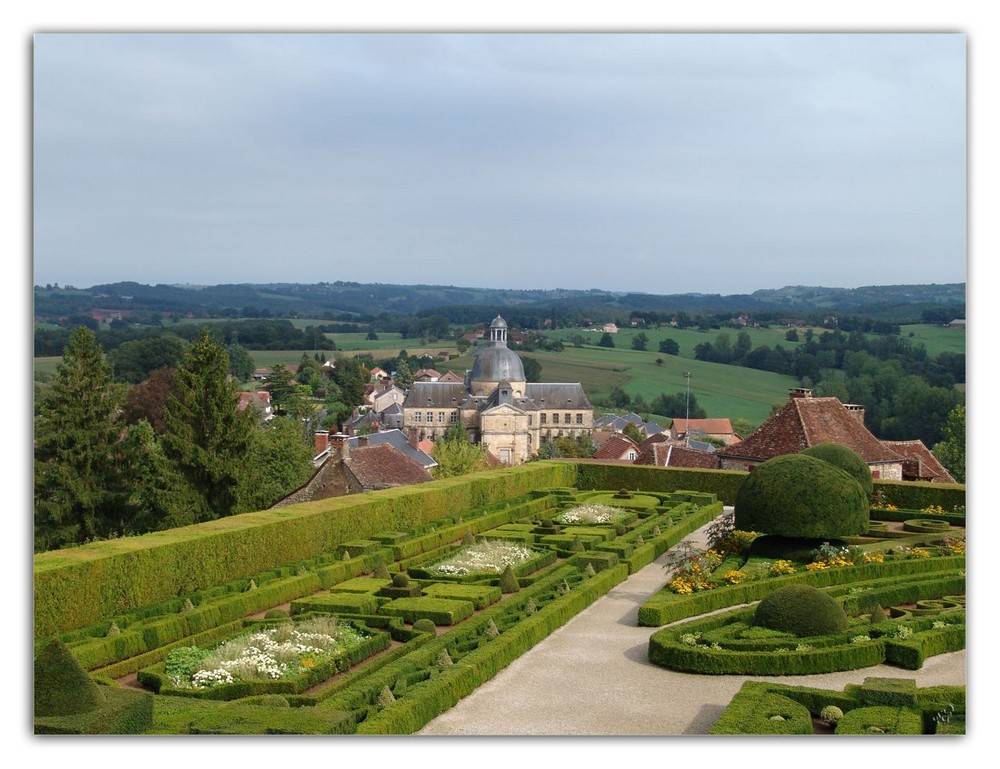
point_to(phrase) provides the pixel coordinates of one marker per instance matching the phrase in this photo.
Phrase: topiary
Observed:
(468, 539)
(62, 686)
(491, 630)
(508, 581)
(275, 614)
(831, 713)
(801, 610)
(381, 572)
(850, 462)
(401, 579)
(797, 496)
(588, 570)
(425, 625)
(385, 697)
(576, 546)
(444, 659)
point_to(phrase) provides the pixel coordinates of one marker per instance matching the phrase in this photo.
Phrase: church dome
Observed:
(496, 362)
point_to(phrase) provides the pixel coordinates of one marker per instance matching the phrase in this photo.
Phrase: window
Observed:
(453, 417)
(555, 418)
(441, 417)
(417, 416)
(542, 418)
(876, 473)
(567, 418)
(579, 419)
(430, 416)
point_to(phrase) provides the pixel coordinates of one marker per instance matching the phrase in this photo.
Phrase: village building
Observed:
(510, 417)
(805, 421)
(720, 429)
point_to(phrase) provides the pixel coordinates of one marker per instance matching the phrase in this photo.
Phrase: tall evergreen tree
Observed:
(206, 434)
(77, 471)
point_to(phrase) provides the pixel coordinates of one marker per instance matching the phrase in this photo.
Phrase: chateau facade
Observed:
(509, 417)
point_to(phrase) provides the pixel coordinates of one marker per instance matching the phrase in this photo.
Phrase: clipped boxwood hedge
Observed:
(441, 611)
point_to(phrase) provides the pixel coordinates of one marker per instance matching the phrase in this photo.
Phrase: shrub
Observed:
(425, 625)
(831, 713)
(401, 580)
(801, 496)
(275, 614)
(508, 581)
(62, 687)
(840, 456)
(802, 610)
(265, 700)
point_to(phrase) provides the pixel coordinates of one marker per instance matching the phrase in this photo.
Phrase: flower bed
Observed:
(485, 558)
(588, 515)
(281, 658)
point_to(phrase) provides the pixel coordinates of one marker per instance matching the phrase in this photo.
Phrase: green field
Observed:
(935, 339)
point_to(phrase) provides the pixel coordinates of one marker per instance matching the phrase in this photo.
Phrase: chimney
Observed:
(800, 392)
(411, 436)
(362, 441)
(339, 447)
(857, 411)
(322, 441)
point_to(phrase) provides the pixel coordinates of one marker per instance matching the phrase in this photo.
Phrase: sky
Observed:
(666, 163)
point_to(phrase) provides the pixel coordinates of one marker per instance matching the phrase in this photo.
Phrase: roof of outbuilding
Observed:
(397, 440)
(615, 448)
(383, 465)
(922, 462)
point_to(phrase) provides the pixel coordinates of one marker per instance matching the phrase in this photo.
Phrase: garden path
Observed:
(592, 677)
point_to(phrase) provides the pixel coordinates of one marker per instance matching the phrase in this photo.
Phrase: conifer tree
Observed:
(78, 483)
(206, 434)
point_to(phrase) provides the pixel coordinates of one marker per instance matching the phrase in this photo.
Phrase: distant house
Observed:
(957, 323)
(381, 399)
(609, 328)
(805, 421)
(377, 374)
(352, 469)
(261, 374)
(427, 375)
(328, 443)
(721, 429)
(260, 400)
(618, 448)
(670, 454)
(451, 376)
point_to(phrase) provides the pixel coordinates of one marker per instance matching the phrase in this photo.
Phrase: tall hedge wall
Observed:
(77, 586)
(723, 483)
(914, 495)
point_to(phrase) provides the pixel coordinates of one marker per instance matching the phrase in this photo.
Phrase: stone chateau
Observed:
(508, 416)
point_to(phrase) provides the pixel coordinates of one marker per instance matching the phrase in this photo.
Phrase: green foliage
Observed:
(606, 340)
(62, 687)
(457, 456)
(508, 580)
(847, 460)
(277, 462)
(802, 610)
(206, 435)
(950, 451)
(134, 360)
(831, 713)
(801, 496)
(425, 625)
(640, 341)
(79, 483)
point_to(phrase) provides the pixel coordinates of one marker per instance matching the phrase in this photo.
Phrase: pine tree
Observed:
(79, 486)
(206, 434)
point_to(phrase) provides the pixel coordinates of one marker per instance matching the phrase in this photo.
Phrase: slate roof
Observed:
(382, 465)
(919, 463)
(549, 395)
(436, 395)
(804, 422)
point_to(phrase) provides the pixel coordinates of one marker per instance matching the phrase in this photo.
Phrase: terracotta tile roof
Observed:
(707, 426)
(920, 463)
(616, 447)
(383, 465)
(804, 422)
(653, 439)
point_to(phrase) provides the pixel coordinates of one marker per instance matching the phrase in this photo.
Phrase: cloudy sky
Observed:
(713, 163)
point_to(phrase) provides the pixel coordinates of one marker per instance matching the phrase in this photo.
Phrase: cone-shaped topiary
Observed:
(385, 697)
(589, 570)
(491, 630)
(796, 495)
(381, 571)
(851, 463)
(444, 659)
(62, 686)
(576, 546)
(468, 539)
(188, 606)
(802, 610)
(530, 607)
(508, 581)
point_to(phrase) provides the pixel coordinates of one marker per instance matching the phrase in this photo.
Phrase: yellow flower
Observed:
(815, 566)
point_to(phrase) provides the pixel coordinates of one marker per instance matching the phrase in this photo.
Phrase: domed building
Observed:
(503, 412)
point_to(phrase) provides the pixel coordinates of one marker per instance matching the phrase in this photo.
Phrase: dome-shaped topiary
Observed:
(401, 579)
(425, 625)
(801, 610)
(831, 713)
(851, 463)
(801, 496)
(276, 614)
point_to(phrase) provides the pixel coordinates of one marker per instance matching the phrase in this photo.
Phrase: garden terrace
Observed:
(123, 606)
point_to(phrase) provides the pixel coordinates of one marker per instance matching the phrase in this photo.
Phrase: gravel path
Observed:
(592, 677)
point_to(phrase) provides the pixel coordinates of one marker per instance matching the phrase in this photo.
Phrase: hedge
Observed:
(77, 586)
(441, 611)
(881, 719)
(918, 495)
(722, 483)
(124, 711)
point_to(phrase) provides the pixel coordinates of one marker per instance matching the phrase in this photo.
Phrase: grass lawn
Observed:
(936, 339)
